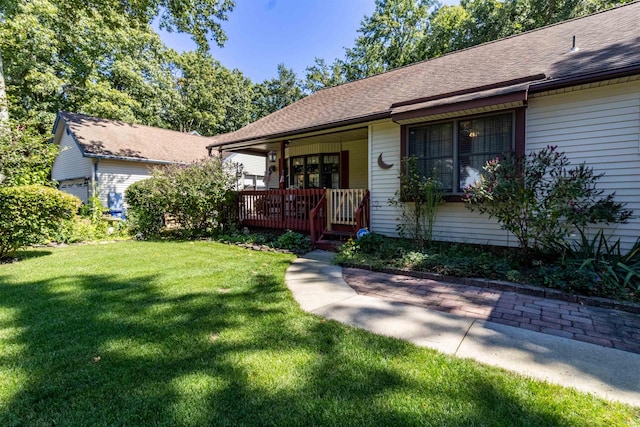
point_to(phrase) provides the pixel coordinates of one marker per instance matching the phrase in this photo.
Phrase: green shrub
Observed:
(372, 249)
(294, 242)
(567, 279)
(194, 196)
(230, 233)
(455, 260)
(90, 225)
(616, 273)
(593, 267)
(147, 206)
(417, 203)
(370, 243)
(82, 229)
(415, 260)
(31, 214)
(541, 200)
(377, 245)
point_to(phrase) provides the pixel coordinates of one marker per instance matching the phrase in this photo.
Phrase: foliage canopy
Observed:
(25, 159)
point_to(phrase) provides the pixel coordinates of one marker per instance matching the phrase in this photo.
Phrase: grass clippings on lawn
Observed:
(199, 333)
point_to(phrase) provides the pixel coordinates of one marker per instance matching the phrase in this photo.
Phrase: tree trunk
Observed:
(4, 108)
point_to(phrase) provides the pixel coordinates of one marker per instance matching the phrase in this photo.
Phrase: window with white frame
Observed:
(455, 151)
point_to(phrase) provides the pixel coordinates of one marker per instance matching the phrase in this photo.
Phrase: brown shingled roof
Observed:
(607, 41)
(104, 138)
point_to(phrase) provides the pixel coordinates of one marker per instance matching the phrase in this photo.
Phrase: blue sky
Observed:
(263, 33)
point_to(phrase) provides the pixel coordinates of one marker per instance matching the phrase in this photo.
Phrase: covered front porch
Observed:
(316, 183)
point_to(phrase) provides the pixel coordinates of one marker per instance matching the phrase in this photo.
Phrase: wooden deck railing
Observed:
(279, 209)
(318, 219)
(343, 205)
(362, 213)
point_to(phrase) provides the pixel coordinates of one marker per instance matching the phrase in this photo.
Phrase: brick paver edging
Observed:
(502, 285)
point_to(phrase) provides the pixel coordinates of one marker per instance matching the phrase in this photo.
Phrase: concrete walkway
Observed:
(610, 373)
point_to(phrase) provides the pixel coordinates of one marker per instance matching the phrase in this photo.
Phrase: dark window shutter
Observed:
(344, 169)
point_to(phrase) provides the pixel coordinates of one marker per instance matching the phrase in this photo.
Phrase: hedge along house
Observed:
(106, 156)
(575, 84)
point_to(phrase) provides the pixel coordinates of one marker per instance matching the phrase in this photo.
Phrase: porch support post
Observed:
(282, 178)
(329, 223)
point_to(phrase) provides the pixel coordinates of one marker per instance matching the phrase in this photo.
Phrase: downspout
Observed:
(94, 178)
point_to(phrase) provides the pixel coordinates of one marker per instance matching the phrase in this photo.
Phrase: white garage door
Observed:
(77, 187)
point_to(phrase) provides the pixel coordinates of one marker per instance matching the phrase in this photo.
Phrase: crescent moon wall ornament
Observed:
(382, 164)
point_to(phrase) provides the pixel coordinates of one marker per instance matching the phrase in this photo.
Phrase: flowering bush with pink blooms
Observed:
(541, 199)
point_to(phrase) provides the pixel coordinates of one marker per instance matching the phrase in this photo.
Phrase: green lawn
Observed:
(197, 333)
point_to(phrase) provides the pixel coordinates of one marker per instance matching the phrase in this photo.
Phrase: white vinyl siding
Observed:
(116, 176)
(69, 163)
(317, 148)
(454, 222)
(358, 174)
(253, 170)
(384, 138)
(600, 126)
(251, 165)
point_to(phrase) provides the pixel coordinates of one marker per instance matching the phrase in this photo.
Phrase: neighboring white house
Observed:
(251, 170)
(108, 156)
(574, 84)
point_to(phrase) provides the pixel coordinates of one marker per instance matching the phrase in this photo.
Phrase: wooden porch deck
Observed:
(312, 211)
(278, 209)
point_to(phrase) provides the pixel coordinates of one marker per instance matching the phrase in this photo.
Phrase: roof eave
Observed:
(55, 124)
(593, 77)
(265, 138)
(516, 97)
(133, 159)
(497, 85)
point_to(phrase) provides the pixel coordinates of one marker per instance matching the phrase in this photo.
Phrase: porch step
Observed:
(330, 240)
(340, 235)
(328, 245)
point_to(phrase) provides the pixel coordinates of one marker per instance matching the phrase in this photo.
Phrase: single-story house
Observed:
(109, 155)
(575, 84)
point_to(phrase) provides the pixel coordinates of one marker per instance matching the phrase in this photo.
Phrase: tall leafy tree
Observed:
(479, 21)
(488, 20)
(98, 56)
(448, 32)
(4, 106)
(211, 98)
(272, 95)
(389, 37)
(199, 18)
(322, 75)
(530, 14)
(100, 64)
(25, 158)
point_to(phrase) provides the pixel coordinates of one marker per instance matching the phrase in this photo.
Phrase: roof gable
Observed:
(113, 139)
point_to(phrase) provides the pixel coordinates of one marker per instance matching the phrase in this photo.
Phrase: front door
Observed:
(325, 170)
